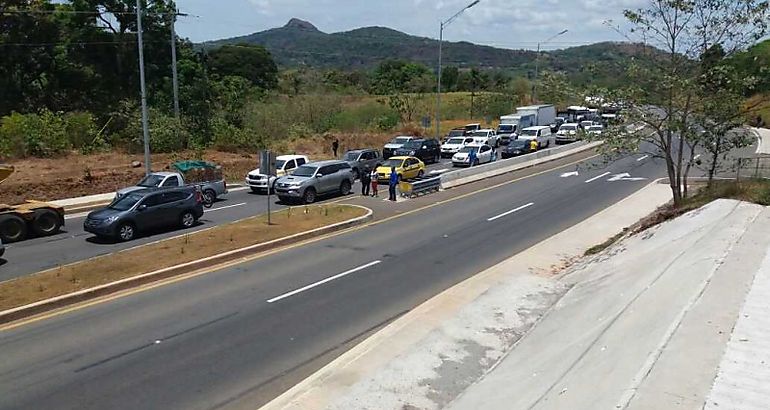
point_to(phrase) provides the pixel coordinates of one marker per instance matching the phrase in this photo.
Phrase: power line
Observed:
(96, 12)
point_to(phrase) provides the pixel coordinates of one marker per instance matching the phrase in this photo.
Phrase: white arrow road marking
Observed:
(510, 212)
(618, 177)
(569, 174)
(642, 158)
(321, 282)
(598, 177)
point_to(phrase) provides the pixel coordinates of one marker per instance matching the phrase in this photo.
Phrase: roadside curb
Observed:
(57, 302)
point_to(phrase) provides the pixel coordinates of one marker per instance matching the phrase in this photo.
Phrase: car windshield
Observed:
(570, 127)
(480, 133)
(279, 164)
(466, 150)
(529, 133)
(151, 180)
(126, 202)
(351, 156)
(400, 140)
(455, 141)
(393, 163)
(414, 144)
(456, 133)
(505, 128)
(304, 171)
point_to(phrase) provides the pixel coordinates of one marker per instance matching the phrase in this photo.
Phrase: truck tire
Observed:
(12, 228)
(46, 222)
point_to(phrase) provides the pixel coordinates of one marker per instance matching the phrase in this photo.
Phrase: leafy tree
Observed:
(449, 77)
(667, 97)
(399, 76)
(251, 62)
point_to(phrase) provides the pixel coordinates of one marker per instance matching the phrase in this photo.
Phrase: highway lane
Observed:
(215, 341)
(74, 244)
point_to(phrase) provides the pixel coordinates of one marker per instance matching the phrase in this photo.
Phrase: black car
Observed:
(144, 210)
(515, 148)
(427, 150)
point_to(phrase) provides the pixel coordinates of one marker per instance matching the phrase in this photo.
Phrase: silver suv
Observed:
(313, 179)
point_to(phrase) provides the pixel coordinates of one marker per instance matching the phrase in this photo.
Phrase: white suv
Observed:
(284, 165)
(542, 134)
(453, 145)
(489, 134)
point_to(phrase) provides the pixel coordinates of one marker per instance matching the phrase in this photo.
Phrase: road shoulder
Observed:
(430, 355)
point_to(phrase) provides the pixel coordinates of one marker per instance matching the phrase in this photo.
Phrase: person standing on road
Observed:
(375, 185)
(365, 181)
(533, 145)
(392, 185)
(335, 147)
(472, 158)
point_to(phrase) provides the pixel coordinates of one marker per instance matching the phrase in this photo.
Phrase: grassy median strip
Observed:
(171, 252)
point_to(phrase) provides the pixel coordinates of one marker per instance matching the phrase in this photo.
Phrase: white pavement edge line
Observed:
(640, 159)
(322, 281)
(224, 207)
(510, 212)
(3, 313)
(598, 177)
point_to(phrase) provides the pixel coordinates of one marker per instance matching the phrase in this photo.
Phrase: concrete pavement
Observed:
(238, 337)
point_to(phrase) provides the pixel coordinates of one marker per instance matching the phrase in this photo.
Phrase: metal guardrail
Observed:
(420, 186)
(757, 166)
(503, 164)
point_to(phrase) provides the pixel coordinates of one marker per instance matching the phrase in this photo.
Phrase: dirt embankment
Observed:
(76, 174)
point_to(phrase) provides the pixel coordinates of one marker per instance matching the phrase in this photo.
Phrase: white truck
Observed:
(511, 125)
(544, 114)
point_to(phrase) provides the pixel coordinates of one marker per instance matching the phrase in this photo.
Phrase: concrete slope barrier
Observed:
(473, 174)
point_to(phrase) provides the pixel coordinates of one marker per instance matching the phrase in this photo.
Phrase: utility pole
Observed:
(145, 125)
(174, 78)
(440, 42)
(537, 64)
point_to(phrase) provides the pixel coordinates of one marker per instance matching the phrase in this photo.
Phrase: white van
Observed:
(541, 133)
(284, 165)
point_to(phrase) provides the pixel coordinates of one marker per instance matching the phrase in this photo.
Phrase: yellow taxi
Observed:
(406, 168)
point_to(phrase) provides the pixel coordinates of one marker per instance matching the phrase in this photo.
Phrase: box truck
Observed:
(544, 114)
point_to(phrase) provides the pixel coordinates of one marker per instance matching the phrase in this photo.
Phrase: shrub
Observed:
(229, 138)
(39, 135)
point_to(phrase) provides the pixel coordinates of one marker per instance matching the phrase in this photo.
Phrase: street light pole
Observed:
(537, 63)
(145, 125)
(440, 43)
(174, 77)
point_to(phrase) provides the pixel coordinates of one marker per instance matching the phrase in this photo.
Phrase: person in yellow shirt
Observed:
(533, 145)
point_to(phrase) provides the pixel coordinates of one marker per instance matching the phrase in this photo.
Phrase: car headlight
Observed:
(412, 152)
(111, 219)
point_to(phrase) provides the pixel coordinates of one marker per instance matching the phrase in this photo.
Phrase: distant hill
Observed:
(300, 43)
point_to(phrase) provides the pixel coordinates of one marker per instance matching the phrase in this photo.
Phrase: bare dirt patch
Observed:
(148, 258)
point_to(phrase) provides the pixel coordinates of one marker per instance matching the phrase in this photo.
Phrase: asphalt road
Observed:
(74, 244)
(237, 337)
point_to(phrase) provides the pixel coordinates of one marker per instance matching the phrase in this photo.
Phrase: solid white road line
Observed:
(510, 212)
(76, 216)
(321, 282)
(224, 207)
(642, 158)
(598, 177)
(236, 189)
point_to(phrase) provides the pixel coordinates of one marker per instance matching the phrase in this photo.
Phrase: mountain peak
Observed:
(301, 25)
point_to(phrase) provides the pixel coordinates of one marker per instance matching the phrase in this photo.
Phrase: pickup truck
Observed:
(208, 179)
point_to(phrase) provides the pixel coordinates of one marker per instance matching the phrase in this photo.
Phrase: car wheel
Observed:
(187, 220)
(209, 197)
(309, 196)
(126, 232)
(345, 187)
(12, 229)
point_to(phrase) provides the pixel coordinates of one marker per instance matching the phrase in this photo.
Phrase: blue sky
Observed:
(500, 23)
